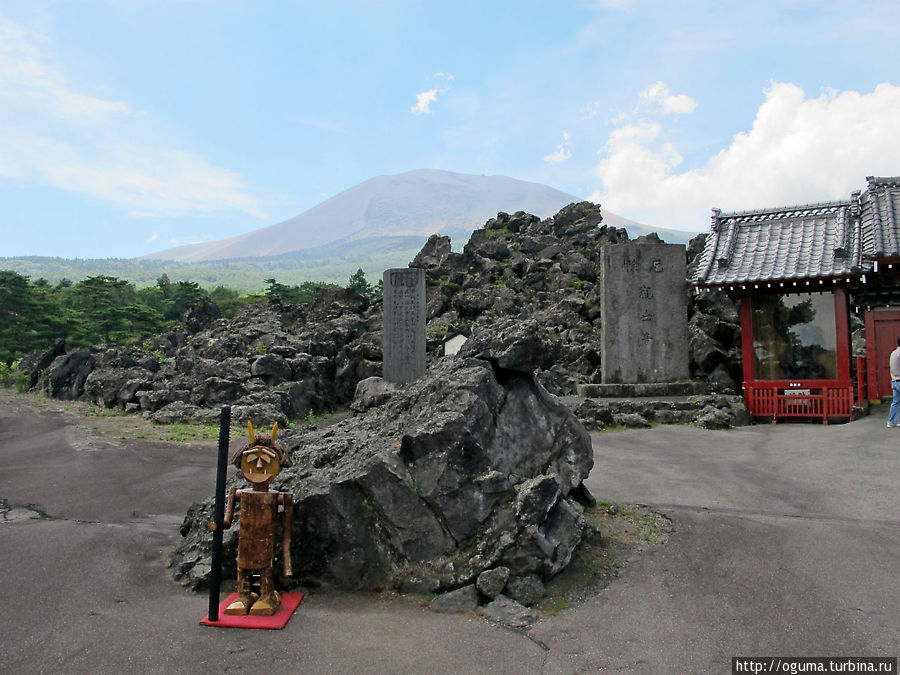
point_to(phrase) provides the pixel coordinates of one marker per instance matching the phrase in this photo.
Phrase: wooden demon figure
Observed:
(260, 460)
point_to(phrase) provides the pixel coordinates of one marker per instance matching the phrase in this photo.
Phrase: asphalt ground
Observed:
(786, 543)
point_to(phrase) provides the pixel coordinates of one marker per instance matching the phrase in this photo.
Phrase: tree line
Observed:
(102, 309)
(332, 264)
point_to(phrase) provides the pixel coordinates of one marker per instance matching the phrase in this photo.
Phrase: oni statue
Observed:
(260, 461)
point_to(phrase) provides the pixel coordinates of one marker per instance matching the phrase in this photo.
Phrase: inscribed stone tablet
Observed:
(644, 313)
(404, 324)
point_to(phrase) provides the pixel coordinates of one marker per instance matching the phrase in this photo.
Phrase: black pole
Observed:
(218, 525)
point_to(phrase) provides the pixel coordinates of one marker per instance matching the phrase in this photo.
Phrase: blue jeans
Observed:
(894, 414)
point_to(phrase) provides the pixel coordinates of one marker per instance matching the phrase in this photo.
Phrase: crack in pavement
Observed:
(13, 513)
(730, 511)
(10, 513)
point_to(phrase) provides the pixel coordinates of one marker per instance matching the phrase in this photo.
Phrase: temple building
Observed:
(799, 272)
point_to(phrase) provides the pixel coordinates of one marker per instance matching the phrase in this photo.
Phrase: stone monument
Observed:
(644, 313)
(404, 324)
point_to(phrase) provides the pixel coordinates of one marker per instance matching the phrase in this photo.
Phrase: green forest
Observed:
(102, 309)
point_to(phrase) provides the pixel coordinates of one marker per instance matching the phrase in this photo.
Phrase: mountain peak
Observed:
(420, 202)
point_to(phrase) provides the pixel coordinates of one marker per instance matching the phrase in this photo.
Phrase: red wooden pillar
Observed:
(747, 354)
(871, 356)
(842, 327)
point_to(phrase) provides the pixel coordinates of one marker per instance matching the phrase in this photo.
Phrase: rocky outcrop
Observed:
(714, 330)
(471, 468)
(520, 269)
(272, 363)
(66, 376)
(534, 281)
(34, 364)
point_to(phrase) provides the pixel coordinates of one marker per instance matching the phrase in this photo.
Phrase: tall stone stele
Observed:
(404, 324)
(644, 310)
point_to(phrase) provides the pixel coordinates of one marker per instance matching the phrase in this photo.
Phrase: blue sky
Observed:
(130, 126)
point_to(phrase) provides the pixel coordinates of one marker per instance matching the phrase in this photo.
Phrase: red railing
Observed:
(779, 402)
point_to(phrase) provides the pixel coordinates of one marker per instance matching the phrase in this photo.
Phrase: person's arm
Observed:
(287, 526)
(233, 497)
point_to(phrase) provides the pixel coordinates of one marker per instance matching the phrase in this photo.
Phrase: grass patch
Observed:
(616, 534)
(316, 417)
(439, 332)
(116, 423)
(615, 426)
(181, 432)
(500, 233)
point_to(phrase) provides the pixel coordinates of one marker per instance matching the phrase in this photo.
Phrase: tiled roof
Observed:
(880, 217)
(814, 241)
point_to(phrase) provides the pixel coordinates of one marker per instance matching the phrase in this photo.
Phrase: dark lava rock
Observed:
(510, 613)
(460, 601)
(466, 469)
(492, 582)
(526, 590)
(532, 283)
(65, 377)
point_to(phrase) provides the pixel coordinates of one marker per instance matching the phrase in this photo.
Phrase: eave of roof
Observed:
(810, 242)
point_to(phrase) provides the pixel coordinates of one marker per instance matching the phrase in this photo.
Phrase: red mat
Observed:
(289, 603)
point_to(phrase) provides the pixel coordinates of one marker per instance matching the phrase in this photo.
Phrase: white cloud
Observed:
(675, 104)
(563, 151)
(592, 110)
(798, 150)
(153, 237)
(424, 99)
(653, 102)
(51, 133)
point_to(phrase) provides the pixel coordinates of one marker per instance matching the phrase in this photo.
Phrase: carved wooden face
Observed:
(259, 464)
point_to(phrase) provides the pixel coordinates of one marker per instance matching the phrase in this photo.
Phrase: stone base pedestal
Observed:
(642, 390)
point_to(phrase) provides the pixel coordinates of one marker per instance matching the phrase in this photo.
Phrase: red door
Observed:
(882, 331)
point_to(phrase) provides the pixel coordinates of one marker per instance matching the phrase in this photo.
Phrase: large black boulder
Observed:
(469, 468)
(65, 377)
